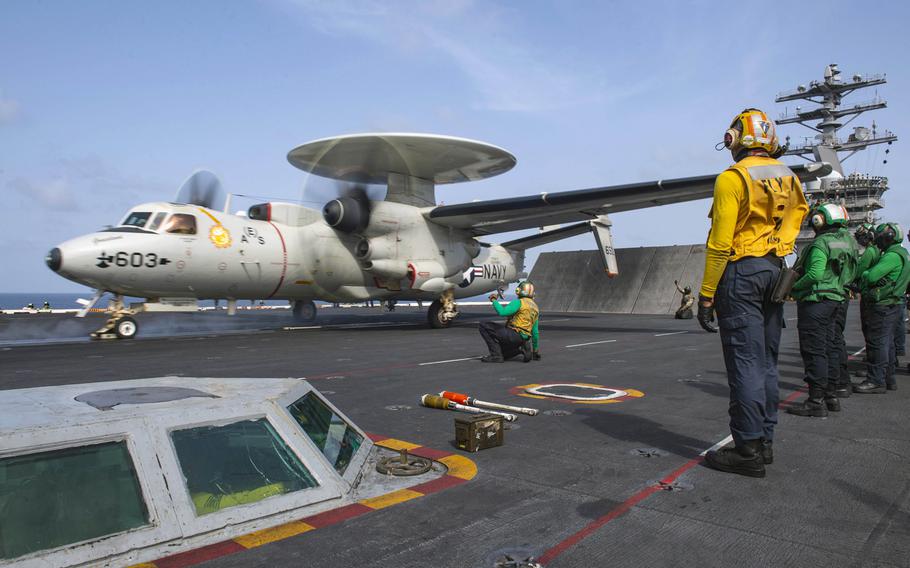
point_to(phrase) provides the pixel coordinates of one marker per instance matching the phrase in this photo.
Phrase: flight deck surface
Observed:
(617, 484)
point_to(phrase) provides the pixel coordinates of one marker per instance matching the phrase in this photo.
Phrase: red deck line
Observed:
(623, 507)
(199, 555)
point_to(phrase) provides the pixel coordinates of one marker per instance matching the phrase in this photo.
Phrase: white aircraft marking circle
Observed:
(609, 393)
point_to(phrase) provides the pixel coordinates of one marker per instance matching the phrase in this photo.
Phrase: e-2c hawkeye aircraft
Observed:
(405, 247)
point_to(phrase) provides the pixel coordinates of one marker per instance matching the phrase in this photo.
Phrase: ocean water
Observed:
(18, 300)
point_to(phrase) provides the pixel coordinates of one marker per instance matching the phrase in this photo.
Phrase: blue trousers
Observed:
(817, 326)
(882, 355)
(750, 326)
(900, 332)
(840, 323)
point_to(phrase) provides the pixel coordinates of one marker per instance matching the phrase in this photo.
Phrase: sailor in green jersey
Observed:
(884, 286)
(843, 388)
(865, 234)
(827, 266)
(519, 335)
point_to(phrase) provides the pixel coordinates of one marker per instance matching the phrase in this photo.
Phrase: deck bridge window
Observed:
(331, 434)
(61, 497)
(181, 224)
(236, 464)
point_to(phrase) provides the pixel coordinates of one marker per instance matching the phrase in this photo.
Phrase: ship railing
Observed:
(868, 78)
(794, 113)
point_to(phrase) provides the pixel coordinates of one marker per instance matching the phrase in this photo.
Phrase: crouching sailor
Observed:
(519, 334)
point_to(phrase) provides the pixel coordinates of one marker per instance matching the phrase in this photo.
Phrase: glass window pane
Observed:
(337, 440)
(137, 218)
(181, 223)
(156, 221)
(66, 496)
(236, 464)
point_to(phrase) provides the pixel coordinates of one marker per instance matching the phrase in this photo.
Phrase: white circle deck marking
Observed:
(612, 393)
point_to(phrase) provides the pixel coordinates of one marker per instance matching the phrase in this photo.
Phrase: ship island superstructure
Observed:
(860, 193)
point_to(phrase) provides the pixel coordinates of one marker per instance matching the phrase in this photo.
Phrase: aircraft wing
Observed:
(515, 213)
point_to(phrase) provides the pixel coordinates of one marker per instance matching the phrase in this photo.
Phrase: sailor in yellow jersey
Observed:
(519, 335)
(755, 217)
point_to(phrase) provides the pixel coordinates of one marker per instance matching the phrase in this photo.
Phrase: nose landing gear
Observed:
(443, 310)
(120, 324)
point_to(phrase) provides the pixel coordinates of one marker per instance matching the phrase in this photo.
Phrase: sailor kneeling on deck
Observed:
(519, 334)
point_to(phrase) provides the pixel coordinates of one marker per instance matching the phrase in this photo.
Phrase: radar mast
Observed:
(860, 193)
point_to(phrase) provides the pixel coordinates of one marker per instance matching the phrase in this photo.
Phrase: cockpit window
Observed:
(156, 221)
(181, 224)
(137, 218)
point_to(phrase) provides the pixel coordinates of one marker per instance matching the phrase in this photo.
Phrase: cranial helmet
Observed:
(888, 234)
(828, 215)
(864, 234)
(524, 289)
(751, 129)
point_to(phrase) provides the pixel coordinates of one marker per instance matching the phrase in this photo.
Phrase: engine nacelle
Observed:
(429, 276)
(376, 248)
(386, 268)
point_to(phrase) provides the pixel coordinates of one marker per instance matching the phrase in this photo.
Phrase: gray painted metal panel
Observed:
(657, 289)
(575, 281)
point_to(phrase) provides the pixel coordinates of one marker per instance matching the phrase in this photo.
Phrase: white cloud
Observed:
(9, 110)
(508, 73)
(69, 182)
(56, 194)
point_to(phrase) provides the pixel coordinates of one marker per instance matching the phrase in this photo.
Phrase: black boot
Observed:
(814, 405)
(892, 386)
(743, 460)
(526, 351)
(767, 451)
(867, 387)
(843, 391)
(831, 401)
(491, 359)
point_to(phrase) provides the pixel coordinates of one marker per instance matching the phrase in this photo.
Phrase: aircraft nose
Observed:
(54, 259)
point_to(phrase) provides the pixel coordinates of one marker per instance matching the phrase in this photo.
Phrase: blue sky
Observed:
(107, 104)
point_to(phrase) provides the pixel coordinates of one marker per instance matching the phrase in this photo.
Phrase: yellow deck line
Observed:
(460, 467)
(390, 499)
(265, 536)
(393, 444)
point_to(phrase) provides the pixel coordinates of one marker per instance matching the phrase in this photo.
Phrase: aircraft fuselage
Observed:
(167, 250)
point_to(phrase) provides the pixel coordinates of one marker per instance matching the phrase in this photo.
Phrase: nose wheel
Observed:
(126, 328)
(120, 324)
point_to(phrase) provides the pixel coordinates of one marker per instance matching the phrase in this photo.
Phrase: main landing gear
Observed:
(443, 310)
(304, 311)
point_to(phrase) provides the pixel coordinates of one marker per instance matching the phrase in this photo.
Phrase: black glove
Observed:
(706, 314)
(536, 355)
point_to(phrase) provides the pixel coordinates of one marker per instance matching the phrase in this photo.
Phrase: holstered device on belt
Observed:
(785, 281)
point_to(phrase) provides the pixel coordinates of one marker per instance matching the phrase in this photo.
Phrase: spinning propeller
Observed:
(204, 189)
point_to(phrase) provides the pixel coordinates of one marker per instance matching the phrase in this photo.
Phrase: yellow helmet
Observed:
(751, 129)
(524, 289)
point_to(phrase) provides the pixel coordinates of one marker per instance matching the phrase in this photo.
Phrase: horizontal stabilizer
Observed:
(547, 237)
